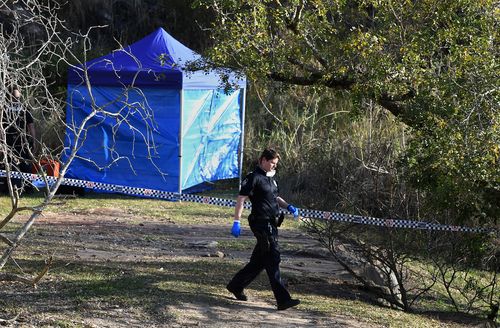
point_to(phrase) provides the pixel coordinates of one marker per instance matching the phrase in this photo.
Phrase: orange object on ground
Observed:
(49, 166)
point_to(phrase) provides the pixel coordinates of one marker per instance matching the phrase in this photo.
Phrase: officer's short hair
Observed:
(269, 154)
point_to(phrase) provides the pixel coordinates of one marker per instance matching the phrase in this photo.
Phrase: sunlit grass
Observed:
(181, 212)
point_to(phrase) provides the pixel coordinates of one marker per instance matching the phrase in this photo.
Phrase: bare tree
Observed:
(36, 47)
(467, 267)
(402, 266)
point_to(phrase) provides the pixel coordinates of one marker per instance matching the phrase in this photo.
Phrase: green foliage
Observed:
(458, 164)
(378, 47)
(433, 64)
(336, 154)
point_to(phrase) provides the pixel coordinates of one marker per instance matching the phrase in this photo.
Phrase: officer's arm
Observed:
(240, 202)
(281, 202)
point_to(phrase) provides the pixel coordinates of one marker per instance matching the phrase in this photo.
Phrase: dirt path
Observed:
(105, 236)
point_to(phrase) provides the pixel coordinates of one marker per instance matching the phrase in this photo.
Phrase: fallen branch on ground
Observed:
(6, 321)
(32, 282)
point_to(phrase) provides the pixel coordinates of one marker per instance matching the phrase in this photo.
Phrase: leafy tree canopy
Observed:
(433, 64)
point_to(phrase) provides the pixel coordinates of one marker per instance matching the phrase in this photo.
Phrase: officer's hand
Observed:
(236, 229)
(292, 209)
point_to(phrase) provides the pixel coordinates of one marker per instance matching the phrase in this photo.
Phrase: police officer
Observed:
(19, 129)
(264, 219)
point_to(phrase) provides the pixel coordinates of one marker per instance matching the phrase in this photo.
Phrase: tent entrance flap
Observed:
(211, 135)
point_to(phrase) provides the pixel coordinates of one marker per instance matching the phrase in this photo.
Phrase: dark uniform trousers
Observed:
(265, 255)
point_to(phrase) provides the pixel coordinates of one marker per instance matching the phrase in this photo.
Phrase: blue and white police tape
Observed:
(37, 180)
(305, 213)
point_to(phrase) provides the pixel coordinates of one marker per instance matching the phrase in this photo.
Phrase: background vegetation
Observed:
(386, 109)
(380, 108)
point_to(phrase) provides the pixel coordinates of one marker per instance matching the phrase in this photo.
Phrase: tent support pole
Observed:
(242, 136)
(180, 139)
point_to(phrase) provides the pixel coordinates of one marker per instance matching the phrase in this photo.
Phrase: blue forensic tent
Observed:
(149, 123)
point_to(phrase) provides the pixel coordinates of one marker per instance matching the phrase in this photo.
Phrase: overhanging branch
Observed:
(394, 104)
(313, 79)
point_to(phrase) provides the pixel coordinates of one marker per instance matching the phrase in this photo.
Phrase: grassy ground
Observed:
(127, 262)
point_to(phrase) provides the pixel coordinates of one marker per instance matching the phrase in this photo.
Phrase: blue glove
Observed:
(292, 209)
(236, 229)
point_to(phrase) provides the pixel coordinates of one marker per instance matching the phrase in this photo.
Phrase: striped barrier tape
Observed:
(306, 213)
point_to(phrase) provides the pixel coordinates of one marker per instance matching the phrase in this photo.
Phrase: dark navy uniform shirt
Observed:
(263, 193)
(15, 120)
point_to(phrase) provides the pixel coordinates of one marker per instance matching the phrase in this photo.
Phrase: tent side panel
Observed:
(211, 136)
(136, 145)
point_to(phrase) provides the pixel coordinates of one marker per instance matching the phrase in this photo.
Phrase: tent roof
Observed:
(155, 60)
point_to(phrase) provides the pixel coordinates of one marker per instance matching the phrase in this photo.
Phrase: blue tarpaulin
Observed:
(138, 118)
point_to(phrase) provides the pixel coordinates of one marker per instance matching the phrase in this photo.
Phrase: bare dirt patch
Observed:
(134, 271)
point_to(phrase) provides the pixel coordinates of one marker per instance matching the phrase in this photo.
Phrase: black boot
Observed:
(240, 296)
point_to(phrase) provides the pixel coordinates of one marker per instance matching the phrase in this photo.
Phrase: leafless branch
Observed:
(23, 61)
